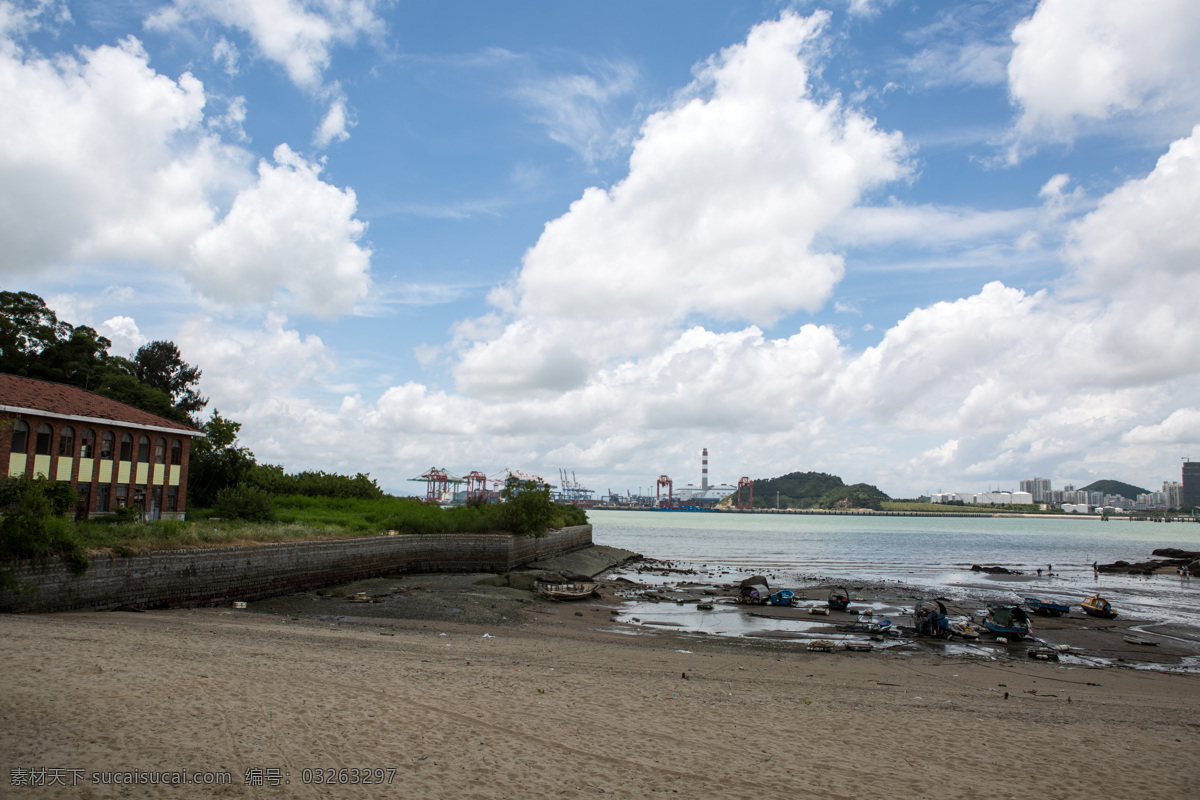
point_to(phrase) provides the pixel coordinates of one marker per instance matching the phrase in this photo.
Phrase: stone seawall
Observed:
(215, 575)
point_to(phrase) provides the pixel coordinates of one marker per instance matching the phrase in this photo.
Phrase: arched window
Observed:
(44, 437)
(107, 442)
(143, 448)
(20, 436)
(176, 453)
(87, 443)
(126, 447)
(160, 451)
(66, 442)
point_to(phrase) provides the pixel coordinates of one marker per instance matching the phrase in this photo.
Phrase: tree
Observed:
(27, 327)
(216, 461)
(527, 507)
(160, 365)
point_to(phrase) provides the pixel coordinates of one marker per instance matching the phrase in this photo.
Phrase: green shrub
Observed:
(244, 502)
(33, 530)
(61, 495)
(569, 516)
(527, 507)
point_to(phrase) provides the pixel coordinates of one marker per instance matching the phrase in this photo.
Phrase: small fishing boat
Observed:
(1139, 641)
(1011, 622)
(1045, 607)
(929, 618)
(839, 598)
(783, 597)
(1097, 606)
(754, 590)
(565, 591)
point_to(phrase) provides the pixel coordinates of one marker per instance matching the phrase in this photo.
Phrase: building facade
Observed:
(1190, 496)
(115, 455)
(1039, 488)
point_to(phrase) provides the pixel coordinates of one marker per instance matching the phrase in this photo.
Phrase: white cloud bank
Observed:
(595, 358)
(599, 354)
(296, 34)
(103, 160)
(1079, 62)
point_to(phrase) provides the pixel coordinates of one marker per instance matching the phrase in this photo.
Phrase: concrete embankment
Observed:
(211, 576)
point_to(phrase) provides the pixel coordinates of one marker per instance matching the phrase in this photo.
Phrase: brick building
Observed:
(114, 454)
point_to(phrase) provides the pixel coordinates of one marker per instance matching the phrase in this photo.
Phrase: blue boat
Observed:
(839, 599)
(1009, 621)
(1045, 607)
(783, 597)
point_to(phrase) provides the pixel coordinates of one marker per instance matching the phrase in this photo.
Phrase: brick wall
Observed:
(212, 576)
(57, 462)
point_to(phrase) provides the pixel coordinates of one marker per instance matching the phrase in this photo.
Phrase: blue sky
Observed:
(930, 246)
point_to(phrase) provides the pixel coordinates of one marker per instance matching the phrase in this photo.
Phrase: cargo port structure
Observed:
(438, 481)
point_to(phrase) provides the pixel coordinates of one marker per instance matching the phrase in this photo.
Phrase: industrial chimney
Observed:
(704, 472)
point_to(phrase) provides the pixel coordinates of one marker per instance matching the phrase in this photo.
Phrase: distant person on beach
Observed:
(1049, 569)
(1095, 569)
(1039, 572)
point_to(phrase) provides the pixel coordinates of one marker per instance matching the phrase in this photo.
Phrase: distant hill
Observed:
(815, 490)
(1116, 487)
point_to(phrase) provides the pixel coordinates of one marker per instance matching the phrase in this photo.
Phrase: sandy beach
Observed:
(550, 700)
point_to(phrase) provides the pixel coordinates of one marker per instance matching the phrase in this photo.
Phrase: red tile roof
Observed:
(63, 400)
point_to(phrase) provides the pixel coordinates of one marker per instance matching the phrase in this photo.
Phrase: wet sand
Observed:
(514, 698)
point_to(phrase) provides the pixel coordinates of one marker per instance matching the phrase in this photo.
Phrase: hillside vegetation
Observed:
(1116, 487)
(815, 490)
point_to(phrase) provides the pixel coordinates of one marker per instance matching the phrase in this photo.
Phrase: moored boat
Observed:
(929, 618)
(1010, 622)
(1097, 606)
(839, 598)
(1045, 607)
(782, 597)
(565, 591)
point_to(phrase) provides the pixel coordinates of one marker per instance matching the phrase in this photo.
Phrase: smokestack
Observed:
(704, 472)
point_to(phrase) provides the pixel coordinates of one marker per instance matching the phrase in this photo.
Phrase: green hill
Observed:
(1116, 487)
(815, 490)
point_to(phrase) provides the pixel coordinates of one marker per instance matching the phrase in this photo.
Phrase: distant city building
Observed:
(1038, 487)
(1190, 496)
(1095, 498)
(1174, 493)
(983, 498)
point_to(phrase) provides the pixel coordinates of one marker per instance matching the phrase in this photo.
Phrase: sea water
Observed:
(933, 555)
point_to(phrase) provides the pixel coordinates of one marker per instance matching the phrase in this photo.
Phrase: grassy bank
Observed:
(35, 527)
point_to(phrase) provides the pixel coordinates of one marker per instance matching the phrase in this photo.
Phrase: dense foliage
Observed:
(35, 343)
(34, 526)
(815, 490)
(858, 495)
(1115, 487)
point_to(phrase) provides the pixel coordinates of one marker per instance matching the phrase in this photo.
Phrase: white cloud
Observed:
(334, 127)
(225, 53)
(576, 109)
(243, 366)
(103, 160)
(1182, 427)
(1081, 61)
(974, 63)
(725, 194)
(296, 34)
(123, 333)
(289, 230)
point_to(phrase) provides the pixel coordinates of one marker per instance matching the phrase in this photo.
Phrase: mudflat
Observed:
(550, 700)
